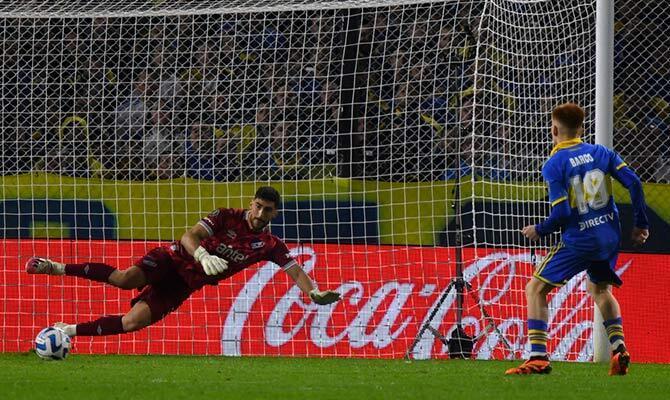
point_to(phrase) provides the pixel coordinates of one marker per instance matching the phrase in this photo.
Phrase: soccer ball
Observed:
(52, 344)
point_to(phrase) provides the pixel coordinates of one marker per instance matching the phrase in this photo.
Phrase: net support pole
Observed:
(349, 156)
(604, 129)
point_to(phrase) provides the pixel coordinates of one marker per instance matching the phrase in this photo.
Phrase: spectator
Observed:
(159, 147)
(200, 150)
(131, 115)
(69, 155)
(283, 156)
(242, 146)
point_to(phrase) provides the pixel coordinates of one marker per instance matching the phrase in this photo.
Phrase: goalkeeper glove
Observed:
(211, 264)
(323, 298)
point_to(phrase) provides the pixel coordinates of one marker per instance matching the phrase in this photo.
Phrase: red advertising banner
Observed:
(388, 294)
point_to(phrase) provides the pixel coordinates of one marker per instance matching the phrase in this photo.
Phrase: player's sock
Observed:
(94, 271)
(614, 329)
(537, 333)
(107, 325)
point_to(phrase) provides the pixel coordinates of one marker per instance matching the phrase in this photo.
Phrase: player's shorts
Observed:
(561, 264)
(166, 290)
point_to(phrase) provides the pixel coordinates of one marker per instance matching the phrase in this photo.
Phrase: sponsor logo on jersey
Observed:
(230, 254)
(257, 245)
(590, 223)
(231, 234)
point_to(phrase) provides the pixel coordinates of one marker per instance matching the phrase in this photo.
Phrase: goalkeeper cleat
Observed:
(37, 265)
(619, 363)
(531, 367)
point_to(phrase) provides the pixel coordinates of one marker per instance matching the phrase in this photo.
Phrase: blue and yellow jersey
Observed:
(580, 191)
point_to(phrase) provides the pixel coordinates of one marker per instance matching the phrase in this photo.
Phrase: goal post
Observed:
(405, 137)
(604, 130)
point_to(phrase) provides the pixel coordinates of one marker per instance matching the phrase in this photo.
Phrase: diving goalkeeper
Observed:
(217, 247)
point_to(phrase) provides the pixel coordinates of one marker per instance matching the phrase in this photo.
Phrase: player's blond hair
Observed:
(570, 117)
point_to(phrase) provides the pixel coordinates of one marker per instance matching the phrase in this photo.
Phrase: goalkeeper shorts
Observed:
(166, 290)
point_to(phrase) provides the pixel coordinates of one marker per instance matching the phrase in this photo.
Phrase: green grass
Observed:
(24, 376)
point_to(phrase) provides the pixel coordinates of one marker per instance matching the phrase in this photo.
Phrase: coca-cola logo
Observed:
(389, 292)
(384, 314)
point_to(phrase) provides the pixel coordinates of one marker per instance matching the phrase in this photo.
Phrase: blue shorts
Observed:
(561, 264)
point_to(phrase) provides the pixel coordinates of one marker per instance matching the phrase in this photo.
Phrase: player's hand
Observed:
(639, 236)
(323, 298)
(211, 264)
(530, 233)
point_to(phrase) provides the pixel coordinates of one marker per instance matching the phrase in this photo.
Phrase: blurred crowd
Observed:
(642, 87)
(294, 95)
(166, 97)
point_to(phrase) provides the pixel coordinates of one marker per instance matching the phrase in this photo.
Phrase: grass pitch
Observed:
(25, 376)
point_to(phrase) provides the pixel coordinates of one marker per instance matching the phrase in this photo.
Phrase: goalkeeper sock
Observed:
(537, 333)
(614, 329)
(107, 325)
(94, 271)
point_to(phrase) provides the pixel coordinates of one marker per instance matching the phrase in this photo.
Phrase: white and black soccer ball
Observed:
(52, 344)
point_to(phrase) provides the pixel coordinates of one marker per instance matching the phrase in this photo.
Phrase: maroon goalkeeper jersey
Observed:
(232, 239)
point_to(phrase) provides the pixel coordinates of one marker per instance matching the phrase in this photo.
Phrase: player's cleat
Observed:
(38, 265)
(531, 367)
(619, 363)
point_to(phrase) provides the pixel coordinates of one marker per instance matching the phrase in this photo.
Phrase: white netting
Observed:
(125, 122)
(642, 89)
(531, 56)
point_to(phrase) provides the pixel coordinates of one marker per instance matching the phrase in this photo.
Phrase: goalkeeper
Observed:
(217, 247)
(580, 192)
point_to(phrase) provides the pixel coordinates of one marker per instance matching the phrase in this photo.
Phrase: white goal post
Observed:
(604, 130)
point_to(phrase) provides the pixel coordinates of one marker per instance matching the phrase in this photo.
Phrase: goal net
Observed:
(406, 139)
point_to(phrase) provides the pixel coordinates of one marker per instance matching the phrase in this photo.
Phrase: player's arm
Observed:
(190, 240)
(560, 212)
(627, 177)
(560, 206)
(280, 255)
(303, 281)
